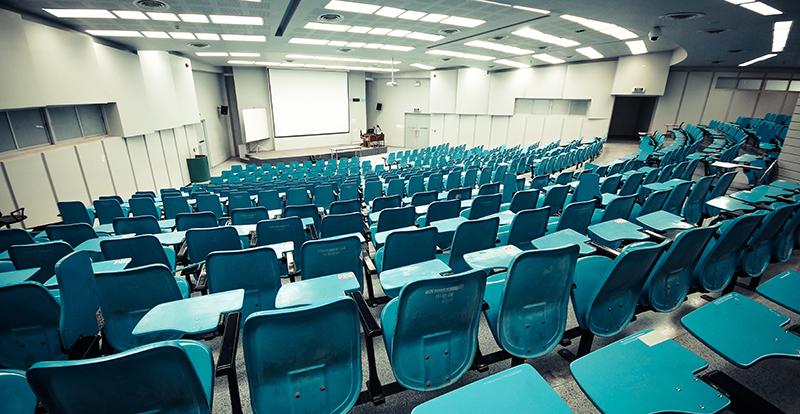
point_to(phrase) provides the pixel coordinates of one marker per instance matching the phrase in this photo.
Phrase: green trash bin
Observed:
(198, 169)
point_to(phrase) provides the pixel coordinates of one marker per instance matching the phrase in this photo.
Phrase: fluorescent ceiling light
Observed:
(114, 33)
(759, 59)
(398, 33)
(341, 59)
(351, 6)
(81, 13)
(337, 43)
(207, 36)
(762, 8)
(156, 35)
(618, 32)
(164, 17)
(412, 15)
(589, 52)
(512, 63)
(462, 21)
(532, 9)
(327, 27)
(241, 62)
(245, 54)
(380, 31)
(495, 3)
(422, 66)
(737, 2)
(130, 15)
(243, 38)
(780, 35)
(397, 48)
(182, 35)
(373, 46)
(305, 41)
(433, 18)
(544, 57)
(194, 18)
(387, 11)
(211, 54)
(356, 44)
(251, 20)
(637, 47)
(424, 36)
(359, 29)
(460, 55)
(534, 34)
(511, 50)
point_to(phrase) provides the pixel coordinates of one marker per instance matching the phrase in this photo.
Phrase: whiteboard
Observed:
(307, 102)
(255, 124)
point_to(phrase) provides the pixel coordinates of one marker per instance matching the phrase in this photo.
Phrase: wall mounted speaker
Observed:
(223, 110)
(379, 106)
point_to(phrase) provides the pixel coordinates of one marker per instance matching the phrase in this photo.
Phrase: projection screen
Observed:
(309, 102)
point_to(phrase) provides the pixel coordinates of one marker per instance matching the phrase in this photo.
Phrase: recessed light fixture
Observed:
(589, 52)
(242, 20)
(534, 34)
(462, 21)
(327, 27)
(81, 13)
(194, 18)
(421, 66)
(424, 36)
(761, 8)
(156, 35)
(356, 44)
(340, 59)
(114, 33)
(207, 36)
(164, 17)
(397, 48)
(387, 11)
(244, 54)
(243, 38)
(380, 31)
(359, 29)
(337, 43)
(211, 54)
(398, 33)
(460, 55)
(351, 6)
(182, 35)
(305, 41)
(759, 59)
(532, 9)
(131, 15)
(637, 47)
(780, 34)
(544, 57)
(512, 63)
(737, 2)
(511, 50)
(340, 43)
(412, 15)
(373, 45)
(433, 18)
(618, 32)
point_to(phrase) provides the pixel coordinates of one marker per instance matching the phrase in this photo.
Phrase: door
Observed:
(417, 130)
(630, 116)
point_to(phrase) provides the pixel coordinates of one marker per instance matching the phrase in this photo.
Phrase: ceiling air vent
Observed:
(199, 45)
(715, 31)
(682, 16)
(330, 18)
(151, 5)
(344, 49)
(449, 31)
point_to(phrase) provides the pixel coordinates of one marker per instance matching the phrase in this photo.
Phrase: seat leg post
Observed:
(226, 362)
(373, 383)
(516, 361)
(585, 344)
(370, 290)
(731, 285)
(479, 364)
(754, 282)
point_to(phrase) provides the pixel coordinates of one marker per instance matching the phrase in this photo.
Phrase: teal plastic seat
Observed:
(41, 255)
(716, 266)
(348, 192)
(126, 296)
(483, 206)
(522, 200)
(145, 206)
(31, 335)
(588, 188)
(136, 225)
(11, 237)
(255, 270)
(74, 234)
(209, 203)
(15, 394)
(270, 199)
(431, 338)
(471, 236)
(516, 390)
(406, 247)
(239, 199)
(646, 373)
(78, 297)
(677, 196)
(282, 230)
(391, 219)
(297, 196)
(323, 376)
(610, 184)
(576, 216)
(202, 220)
(651, 204)
(345, 206)
(107, 210)
(693, 209)
(489, 188)
(631, 184)
(201, 242)
(142, 250)
(528, 306)
(782, 289)
(332, 256)
(719, 189)
(170, 377)
(619, 208)
(424, 198)
(340, 224)
(786, 239)
(607, 291)
(527, 225)
(304, 211)
(396, 187)
(671, 277)
(742, 330)
(372, 190)
(174, 205)
(250, 215)
(555, 198)
(75, 212)
(761, 245)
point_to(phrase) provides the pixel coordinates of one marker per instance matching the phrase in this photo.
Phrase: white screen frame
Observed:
(278, 133)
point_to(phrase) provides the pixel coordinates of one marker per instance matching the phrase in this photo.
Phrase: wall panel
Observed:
(450, 130)
(516, 131)
(769, 102)
(443, 89)
(695, 96)
(32, 190)
(472, 96)
(65, 174)
(140, 162)
(7, 204)
(171, 157)
(743, 103)
(95, 169)
(573, 125)
(499, 132)
(552, 128)
(534, 129)
(184, 152)
(119, 164)
(436, 135)
(466, 130)
(483, 126)
(157, 162)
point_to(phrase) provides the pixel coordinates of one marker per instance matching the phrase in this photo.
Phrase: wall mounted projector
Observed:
(392, 83)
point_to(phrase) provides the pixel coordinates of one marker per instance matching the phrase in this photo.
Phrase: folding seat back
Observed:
(489, 188)
(282, 230)
(610, 184)
(462, 193)
(136, 225)
(539, 182)
(201, 242)
(555, 198)
(340, 224)
(31, 334)
(304, 211)
(577, 216)
(588, 188)
(15, 394)
(720, 258)
(209, 203)
(395, 187)
(524, 200)
(174, 205)
(471, 236)
(255, 270)
(270, 200)
(74, 234)
(348, 191)
(528, 225)
(677, 196)
(756, 257)
(11, 237)
(424, 198)
(606, 304)
(619, 208)
(786, 240)
(80, 305)
(693, 208)
(395, 218)
(564, 178)
(471, 177)
(249, 215)
(483, 206)
(441, 210)
(318, 379)
(431, 330)
(719, 189)
(332, 256)
(671, 277)
(324, 196)
(485, 177)
(41, 255)
(537, 289)
(509, 187)
(296, 197)
(239, 199)
(142, 250)
(74, 212)
(407, 247)
(107, 210)
(175, 377)
(345, 207)
(144, 206)
(127, 295)
(202, 220)
(652, 203)
(372, 190)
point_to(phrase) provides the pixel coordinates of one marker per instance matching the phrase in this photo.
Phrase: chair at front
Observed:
(255, 270)
(32, 334)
